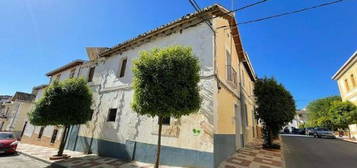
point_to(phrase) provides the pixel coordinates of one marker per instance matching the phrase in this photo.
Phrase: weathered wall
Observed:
(17, 115)
(193, 134)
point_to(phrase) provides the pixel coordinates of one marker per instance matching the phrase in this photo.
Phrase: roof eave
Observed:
(350, 60)
(152, 33)
(65, 67)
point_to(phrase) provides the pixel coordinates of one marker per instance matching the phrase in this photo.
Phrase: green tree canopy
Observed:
(318, 112)
(275, 106)
(63, 103)
(166, 84)
(343, 114)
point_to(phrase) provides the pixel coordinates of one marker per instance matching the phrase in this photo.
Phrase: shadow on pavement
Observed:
(89, 161)
(9, 154)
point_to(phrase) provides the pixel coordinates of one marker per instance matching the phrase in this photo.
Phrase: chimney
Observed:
(93, 52)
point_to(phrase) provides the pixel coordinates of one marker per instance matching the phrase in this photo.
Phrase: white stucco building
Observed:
(224, 123)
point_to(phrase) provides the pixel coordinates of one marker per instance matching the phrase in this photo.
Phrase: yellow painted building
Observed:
(347, 84)
(346, 79)
(236, 77)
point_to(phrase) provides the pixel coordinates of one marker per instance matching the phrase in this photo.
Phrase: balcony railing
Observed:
(232, 75)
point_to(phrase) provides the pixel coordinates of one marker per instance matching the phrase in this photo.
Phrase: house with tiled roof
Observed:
(224, 123)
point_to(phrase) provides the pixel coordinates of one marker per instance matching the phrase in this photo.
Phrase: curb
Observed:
(52, 164)
(282, 152)
(33, 157)
(346, 141)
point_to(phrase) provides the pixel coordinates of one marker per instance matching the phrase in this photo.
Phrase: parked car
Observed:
(309, 131)
(285, 131)
(323, 133)
(300, 131)
(8, 142)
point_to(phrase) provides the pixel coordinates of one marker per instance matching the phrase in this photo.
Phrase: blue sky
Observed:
(301, 51)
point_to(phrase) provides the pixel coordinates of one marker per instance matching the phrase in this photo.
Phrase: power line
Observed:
(290, 12)
(241, 8)
(198, 9)
(248, 6)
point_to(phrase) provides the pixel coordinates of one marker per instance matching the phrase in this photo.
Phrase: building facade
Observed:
(224, 123)
(299, 119)
(50, 136)
(346, 81)
(3, 100)
(15, 112)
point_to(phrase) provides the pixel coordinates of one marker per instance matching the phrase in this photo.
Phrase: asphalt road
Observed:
(20, 161)
(308, 152)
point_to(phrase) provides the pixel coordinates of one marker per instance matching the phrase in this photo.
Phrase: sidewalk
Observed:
(346, 138)
(254, 156)
(78, 159)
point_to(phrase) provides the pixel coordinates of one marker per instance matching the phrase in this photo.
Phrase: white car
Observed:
(323, 133)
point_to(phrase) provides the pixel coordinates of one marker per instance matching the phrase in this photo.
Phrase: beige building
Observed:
(347, 84)
(3, 99)
(15, 112)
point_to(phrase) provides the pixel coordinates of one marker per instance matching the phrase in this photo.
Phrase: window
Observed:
(165, 121)
(122, 69)
(112, 115)
(353, 81)
(91, 74)
(71, 75)
(346, 85)
(41, 132)
(54, 136)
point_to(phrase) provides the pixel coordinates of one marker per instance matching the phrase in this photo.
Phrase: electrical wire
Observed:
(290, 12)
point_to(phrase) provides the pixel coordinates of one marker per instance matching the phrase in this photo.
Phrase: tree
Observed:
(342, 114)
(166, 85)
(318, 112)
(275, 107)
(63, 104)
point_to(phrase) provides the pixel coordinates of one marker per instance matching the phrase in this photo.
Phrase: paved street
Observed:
(20, 161)
(308, 152)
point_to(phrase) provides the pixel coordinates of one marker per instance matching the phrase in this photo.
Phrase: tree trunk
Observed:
(270, 137)
(158, 144)
(267, 136)
(63, 141)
